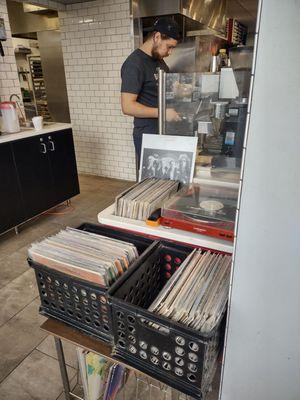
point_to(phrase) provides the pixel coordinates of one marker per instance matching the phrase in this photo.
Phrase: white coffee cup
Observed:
(37, 123)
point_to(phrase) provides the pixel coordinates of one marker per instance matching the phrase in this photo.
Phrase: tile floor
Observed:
(28, 364)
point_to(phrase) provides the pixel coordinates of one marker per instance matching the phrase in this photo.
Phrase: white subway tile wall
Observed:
(96, 40)
(52, 4)
(9, 81)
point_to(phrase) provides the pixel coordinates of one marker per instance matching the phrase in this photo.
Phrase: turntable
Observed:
(204, 209)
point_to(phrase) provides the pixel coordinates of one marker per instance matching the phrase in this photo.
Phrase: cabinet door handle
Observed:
(52, 148)
(43, 148)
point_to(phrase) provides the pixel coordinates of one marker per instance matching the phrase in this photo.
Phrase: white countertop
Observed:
(28, 132)
(107, 217)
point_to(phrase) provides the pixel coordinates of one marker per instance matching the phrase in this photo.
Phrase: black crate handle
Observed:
(133, 267)
(153, 326)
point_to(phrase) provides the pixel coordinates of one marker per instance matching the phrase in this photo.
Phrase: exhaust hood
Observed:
(207, 13)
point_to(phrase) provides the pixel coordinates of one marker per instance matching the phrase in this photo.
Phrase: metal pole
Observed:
(63, 369)
(161, 102)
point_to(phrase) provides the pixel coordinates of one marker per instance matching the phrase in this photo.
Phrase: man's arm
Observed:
(131, 107)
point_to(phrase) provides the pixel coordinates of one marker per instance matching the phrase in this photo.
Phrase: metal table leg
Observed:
(63, 369)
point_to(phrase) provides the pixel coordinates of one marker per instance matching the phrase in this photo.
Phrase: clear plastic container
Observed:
(10, 119)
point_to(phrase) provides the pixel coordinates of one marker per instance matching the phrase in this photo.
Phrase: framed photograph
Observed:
(168, 157)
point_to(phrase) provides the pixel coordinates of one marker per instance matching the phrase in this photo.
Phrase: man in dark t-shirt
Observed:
(139, 73)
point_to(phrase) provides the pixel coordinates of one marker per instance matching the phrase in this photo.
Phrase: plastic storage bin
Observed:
(80, 303)
(177, 355)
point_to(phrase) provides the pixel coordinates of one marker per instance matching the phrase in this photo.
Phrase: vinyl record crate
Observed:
(77, 302)
(179, 356)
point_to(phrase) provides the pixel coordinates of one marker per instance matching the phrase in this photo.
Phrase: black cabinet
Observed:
(36, 174)
(63, 164)
(47, 170)
(11, 208)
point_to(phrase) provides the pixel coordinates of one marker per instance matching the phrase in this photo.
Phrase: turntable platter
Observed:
(211, 205)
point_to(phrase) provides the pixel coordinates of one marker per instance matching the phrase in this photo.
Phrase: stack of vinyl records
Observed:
(197, 293)
(101, 378)
(139, 201)
(92, 257)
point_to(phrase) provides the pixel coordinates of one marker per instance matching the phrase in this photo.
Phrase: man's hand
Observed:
(172, 115)
(130, 106)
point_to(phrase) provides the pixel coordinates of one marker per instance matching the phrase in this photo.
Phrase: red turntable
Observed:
(204, 209)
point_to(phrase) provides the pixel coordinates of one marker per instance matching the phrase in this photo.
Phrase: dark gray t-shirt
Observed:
(139, 75)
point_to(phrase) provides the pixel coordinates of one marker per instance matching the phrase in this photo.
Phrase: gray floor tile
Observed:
(40, 227)
(19, 336)
(76, 389)
(13, 266)
(48, 347)
(84, 200)
(10, 242)
(65, 220)
(92, 212)
(37, 377)
(28, 233)
(17, 294)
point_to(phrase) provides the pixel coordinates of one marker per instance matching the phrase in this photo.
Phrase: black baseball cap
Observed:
(166, 26)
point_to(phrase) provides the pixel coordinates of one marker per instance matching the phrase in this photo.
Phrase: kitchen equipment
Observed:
(191, 96)
(211, 14)
(220, 109)
(10, 119)
(218, 116)
(233, 130)
(214, 64)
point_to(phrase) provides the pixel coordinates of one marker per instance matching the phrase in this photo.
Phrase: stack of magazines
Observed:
(89, 256)
(196, 295)
(139, 201)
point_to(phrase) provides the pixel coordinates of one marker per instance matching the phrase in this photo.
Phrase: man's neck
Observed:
(147, 48)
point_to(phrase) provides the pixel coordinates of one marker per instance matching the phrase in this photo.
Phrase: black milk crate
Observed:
(180, 356)
(77, 302)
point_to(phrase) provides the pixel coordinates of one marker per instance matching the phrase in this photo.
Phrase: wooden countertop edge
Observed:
(74, 336)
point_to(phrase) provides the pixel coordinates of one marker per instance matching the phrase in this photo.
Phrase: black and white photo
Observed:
(167, 164)
(168, 157)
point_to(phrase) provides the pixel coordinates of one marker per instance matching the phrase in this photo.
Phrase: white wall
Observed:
(263, 352)
(9, 81)
(96, 40)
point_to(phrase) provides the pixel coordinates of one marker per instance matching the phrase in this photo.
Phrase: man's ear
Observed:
(156, 37)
